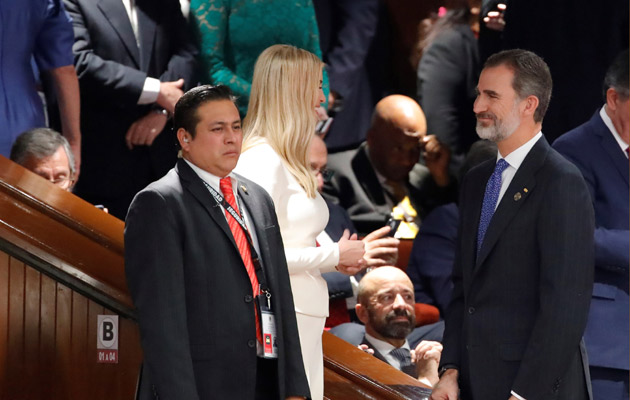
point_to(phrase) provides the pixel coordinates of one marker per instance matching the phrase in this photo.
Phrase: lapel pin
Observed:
(525, 190)
(243, 188)
(517, 196)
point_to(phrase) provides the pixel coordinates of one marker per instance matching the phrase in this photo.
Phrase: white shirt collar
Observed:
(382, 346)
(516, 158)
(211, 179)
(611, 127)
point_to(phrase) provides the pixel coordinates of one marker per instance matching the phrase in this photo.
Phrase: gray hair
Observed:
(40, 143)
(531, 76)
(617, 76)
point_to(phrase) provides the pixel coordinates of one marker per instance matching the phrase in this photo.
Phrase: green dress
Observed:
(233, 33)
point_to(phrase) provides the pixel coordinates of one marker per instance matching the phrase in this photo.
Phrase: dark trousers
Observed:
(267, 379)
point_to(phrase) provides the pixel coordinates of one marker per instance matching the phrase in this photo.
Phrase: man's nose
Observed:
(399, 301)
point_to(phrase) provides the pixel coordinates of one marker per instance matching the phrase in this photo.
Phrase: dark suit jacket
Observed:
(112, 70)
(339, 286)
(447, 77)
(193, 295)
(520, 306)
(594, 150)
(431, 260)
(353, 38)
(356, 188)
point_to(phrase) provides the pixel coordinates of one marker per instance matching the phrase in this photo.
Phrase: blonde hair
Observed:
(284, 88)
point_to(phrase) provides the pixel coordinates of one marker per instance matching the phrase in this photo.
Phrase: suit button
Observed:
(248, 298)
(251, 343)
(471, 310)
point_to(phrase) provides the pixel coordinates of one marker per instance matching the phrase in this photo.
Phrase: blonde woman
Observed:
(278, 128)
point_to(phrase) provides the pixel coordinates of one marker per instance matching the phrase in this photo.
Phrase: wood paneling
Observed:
(62, 265)
(48, 342)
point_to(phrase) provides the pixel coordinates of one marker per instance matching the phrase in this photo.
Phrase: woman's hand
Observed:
(351, 251)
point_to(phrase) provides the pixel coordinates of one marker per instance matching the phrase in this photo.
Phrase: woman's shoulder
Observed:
(260, 159)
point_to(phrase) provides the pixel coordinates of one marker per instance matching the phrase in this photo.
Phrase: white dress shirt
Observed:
(608, 122)
(151, 88)
(514, 159)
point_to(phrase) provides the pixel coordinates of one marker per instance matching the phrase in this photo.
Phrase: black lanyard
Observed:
(260, 274)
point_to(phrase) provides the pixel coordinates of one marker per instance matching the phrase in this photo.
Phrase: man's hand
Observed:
(380, 250)
(170, 92)
(426, 356)
(436, 158)
(447, 388)
(144, 131)
(366, 348)
(351, 251)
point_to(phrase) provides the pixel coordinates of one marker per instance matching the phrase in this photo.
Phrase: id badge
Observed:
(270, 344)
(268, 326)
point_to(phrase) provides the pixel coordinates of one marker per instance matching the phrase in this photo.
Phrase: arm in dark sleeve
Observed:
(154, 267)
(348, 53)
(112, 80)
(182, 64)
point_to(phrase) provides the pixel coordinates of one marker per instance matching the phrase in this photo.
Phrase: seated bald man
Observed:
(384, 171)
(386, 307)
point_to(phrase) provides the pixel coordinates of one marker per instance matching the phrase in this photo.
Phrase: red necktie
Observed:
(241, 242)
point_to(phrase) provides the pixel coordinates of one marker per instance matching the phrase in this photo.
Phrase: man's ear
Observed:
(184, 139)
(611, 99)
(531, 104)
(362, 313)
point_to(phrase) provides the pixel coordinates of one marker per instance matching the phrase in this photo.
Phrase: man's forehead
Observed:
(219, 111)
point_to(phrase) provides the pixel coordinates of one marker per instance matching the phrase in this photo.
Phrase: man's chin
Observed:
(397, 330)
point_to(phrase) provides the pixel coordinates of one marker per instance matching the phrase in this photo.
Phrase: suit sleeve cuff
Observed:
(150, 91)
(517, 396)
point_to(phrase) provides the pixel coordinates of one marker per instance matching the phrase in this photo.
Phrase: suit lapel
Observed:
(474, 200)
(364, 171)
(516, 195)
(610, 145)
(191, 181)
(146, 27)
(117, 16)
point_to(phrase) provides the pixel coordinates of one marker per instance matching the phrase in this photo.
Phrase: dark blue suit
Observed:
(594, 150)
(432, 256)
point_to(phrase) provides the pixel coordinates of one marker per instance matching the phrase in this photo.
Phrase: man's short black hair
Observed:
(531, 76)
(617, 76)
(185, 115)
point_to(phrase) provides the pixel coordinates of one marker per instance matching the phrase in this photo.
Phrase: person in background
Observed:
(447, 75)
(279, 127)
(599, 148)
(523, 267)
(386, 307)
(134, 59)
(384, 172)
(380, 248)
(39, 30)
(47, 153)
(233, 33)
(205, 268)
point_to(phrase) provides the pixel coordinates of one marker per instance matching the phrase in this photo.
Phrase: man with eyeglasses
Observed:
(46, 153)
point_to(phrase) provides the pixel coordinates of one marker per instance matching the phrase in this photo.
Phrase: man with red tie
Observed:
(205, 266)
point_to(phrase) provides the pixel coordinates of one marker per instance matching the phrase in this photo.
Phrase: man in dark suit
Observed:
(369, 181)
(386, 307)
(195, 277)
(599, 149)
(133, 58)
(523, 269)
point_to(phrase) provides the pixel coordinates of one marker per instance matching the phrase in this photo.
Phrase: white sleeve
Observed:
(324, 258)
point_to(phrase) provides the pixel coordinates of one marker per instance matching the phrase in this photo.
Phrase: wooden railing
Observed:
(62, 265)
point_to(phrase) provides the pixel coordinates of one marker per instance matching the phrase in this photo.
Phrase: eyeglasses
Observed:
(326, 173)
